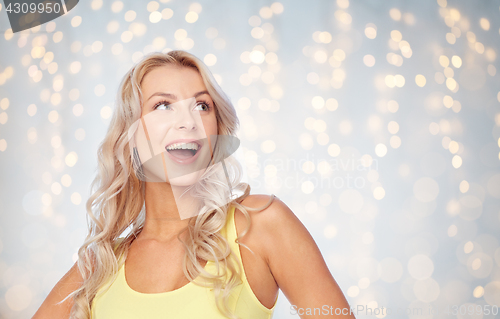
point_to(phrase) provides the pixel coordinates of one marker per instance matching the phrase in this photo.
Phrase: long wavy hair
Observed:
(118, 201)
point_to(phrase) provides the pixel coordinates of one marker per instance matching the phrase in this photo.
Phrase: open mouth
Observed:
(183, 151)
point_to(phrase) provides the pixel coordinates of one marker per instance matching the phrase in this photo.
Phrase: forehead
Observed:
(172, 79)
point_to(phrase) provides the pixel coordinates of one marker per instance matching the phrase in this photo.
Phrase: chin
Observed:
(186, 180)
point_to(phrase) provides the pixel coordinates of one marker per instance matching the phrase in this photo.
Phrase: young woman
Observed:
(166, 172)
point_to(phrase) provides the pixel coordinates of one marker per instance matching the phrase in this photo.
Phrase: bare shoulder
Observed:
(71, 281)
(273, 226)
(258, 218)
(257, 200)
(273, 206)
(293, 257)
(276, 216)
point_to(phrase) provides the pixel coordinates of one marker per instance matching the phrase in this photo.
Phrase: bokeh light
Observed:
(379, 126)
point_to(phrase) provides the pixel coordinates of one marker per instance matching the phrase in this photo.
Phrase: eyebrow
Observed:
(173, 97)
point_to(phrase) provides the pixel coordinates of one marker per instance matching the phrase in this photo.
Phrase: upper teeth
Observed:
(183, 146)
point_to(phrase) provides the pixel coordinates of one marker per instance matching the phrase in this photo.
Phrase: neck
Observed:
(166, 213)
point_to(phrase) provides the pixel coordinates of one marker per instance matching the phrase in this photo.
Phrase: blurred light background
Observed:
(377, 122)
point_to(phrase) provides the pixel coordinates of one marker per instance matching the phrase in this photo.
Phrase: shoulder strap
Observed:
(118, 242)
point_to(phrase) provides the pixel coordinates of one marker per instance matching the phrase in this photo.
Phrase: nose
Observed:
(186, 120)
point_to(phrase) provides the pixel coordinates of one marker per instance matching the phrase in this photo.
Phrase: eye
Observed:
(205, 105)
(164, 103)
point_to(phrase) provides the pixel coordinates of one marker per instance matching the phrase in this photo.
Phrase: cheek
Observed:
(210, 126)
(158, 125)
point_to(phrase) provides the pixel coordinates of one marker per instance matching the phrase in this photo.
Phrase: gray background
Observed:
(408, 229)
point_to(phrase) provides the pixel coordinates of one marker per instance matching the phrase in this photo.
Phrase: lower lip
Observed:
(187, 160)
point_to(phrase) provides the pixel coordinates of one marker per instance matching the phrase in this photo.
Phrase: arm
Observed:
(298, 266)
(71, 281)
(68, 283)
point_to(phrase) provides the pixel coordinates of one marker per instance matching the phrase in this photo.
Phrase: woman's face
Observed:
(177, 131)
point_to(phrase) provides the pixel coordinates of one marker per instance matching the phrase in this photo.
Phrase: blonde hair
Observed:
(118, 202)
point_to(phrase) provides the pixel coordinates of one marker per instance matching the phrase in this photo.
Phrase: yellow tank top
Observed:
(188, 302)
